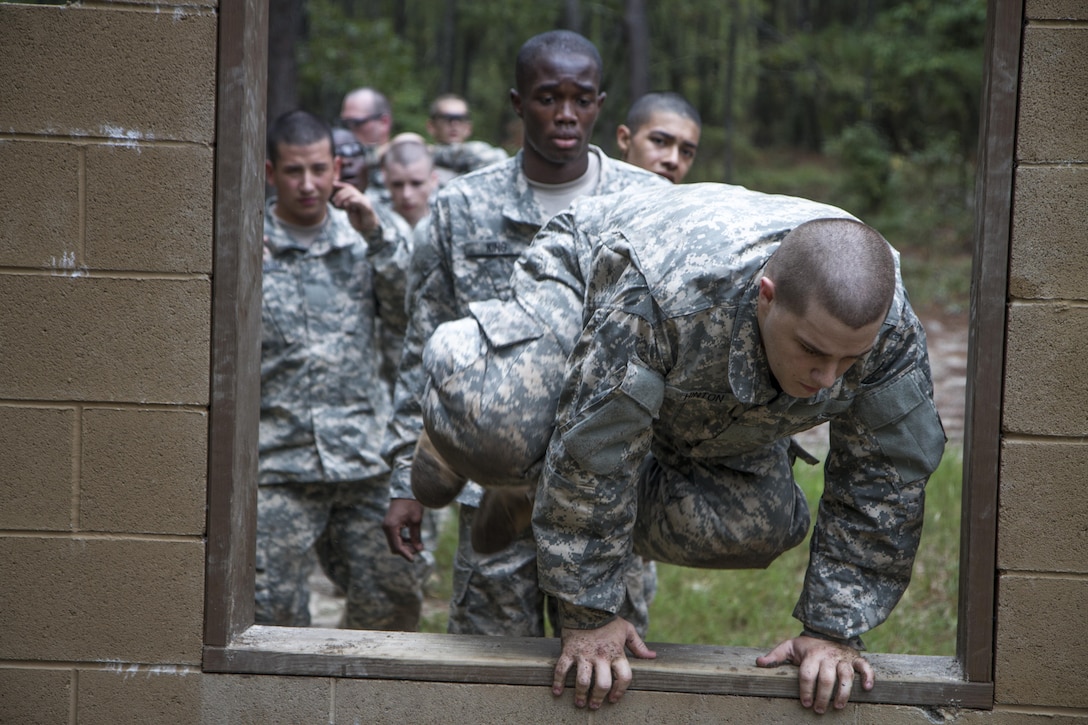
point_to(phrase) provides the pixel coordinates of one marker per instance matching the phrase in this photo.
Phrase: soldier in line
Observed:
(661, 134)
(450, 125)
(368, 114)
(659, 350)
(481, 223)
(411, 178)
(330, 271)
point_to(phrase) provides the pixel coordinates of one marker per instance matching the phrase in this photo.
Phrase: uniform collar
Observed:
(523, 207)
(280, 239)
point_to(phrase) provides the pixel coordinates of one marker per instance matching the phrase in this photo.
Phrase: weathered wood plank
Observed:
(901, 679)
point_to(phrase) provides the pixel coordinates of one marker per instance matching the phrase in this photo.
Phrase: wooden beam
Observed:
(703, 669)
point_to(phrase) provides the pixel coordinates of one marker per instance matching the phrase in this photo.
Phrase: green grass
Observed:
(752, 607)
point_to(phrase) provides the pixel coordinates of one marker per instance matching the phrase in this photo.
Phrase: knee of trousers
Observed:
(693, 529)
(490, 411)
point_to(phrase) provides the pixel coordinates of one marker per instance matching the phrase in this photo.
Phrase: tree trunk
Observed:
(638, 43)
(284, 27)
(730, 85)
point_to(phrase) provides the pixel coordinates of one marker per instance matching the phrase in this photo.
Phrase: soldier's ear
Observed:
(623, 140)
(515, 101)
(766, 290)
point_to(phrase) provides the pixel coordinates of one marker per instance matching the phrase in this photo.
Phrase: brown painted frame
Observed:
(234, 644)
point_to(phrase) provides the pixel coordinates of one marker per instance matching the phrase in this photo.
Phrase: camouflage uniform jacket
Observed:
(669, 282)
(460, 158)
(323, 404)
(480, 224)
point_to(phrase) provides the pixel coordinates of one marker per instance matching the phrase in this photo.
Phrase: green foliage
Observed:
(865, 159)
(342, 52)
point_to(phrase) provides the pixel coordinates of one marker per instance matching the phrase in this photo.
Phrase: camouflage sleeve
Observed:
(586, 501)
(388, 251)
(429, 296)
(870, 517)
(468, 156)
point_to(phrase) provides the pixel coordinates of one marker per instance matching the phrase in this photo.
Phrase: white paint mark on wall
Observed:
(67, 261)
(124, 137)
(132, 670)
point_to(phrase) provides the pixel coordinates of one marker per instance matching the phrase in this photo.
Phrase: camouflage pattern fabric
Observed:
(343, 524)
(480, 224)
(324, 407)
(454, 159)
(653, 298)
(498, 594)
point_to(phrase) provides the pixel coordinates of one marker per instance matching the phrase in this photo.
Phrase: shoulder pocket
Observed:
(906, 424)
(601, 436)
(504, 323)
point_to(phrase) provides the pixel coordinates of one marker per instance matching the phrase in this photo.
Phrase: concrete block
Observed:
(381, 702)
(38, 453)
(138, 694)
(150, 208)
(1043, 482)
(1042, 625)
(1046, 380)
(35, 696)
(144, 471)
(39, 225)
(1055, 10)
(104, 73)
(82, 338)
(1053, 86)
(1051, 220)
(124, 600)
(266, 700)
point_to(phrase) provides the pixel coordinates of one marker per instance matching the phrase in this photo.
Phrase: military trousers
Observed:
(342, 523)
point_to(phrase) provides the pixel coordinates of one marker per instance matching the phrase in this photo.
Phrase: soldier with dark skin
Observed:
(480, 224)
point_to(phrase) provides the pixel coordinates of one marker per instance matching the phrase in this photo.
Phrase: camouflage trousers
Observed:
(342, 523)
(498, 594)
(489, 408)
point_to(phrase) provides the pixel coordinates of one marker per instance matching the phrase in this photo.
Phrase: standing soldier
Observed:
(329, 273)
(450, 125)
(481, 223)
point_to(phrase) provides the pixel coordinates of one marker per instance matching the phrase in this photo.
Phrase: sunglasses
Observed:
(451, 117)
(353, 123)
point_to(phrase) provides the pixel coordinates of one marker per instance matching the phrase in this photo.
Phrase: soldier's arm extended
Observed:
(870, 517)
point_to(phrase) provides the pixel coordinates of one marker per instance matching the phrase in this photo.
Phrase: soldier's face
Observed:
(450, 123)
(558, 106)
(665, 144)
(808, 352)
(303, 178)
(410, 185)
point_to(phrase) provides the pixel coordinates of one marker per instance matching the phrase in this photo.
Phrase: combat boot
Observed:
(505, 514)
(434, 483)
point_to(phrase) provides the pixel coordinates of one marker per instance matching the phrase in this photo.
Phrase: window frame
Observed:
(233, 644)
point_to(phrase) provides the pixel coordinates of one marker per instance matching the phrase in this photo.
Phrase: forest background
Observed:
(871, 105)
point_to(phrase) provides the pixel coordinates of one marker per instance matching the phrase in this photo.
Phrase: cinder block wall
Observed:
(107, 147)
(107, 123)
(1042, 556)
